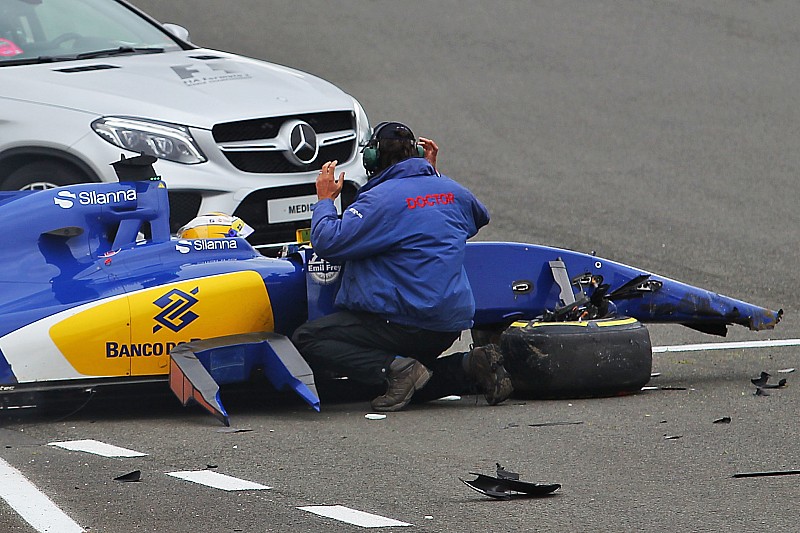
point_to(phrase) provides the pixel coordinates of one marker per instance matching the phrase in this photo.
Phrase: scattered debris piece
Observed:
(786, 371)
(507, 485)
(762, 382)
(650, 388)
(655, 374)
(763, 474)
(673, 388)
(233, 430)
(451, 398)
(134, 476)
(672, 437)
(511, 425)
(723, 420)
(374, 416)
(567, 423)
(502, 473)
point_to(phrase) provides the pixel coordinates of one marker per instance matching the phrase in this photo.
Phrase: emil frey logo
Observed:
(322, 271)
(176, 311)
(66, 199)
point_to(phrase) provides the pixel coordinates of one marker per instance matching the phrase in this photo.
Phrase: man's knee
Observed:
(297, 336)
(303, 335)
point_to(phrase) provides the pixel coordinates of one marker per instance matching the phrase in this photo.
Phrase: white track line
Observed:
(351, 516)
(31, 504)
(726, 345)
(216, 480)
(97, 448)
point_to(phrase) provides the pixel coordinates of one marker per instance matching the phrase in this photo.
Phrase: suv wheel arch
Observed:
(42, 168)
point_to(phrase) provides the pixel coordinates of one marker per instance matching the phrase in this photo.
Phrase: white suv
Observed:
(83, 81)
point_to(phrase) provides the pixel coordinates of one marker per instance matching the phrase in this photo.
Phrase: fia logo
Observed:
(176, 311)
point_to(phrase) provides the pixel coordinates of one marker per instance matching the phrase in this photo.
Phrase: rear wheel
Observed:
(41, 175)
(558, 360)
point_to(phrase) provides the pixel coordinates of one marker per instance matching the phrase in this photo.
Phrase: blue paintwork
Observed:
(494, 266)
(43, 274)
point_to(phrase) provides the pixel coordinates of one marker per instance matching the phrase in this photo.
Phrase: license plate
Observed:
(293, 209)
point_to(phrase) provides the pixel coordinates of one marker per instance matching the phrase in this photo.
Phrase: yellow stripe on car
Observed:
(133, 335)
(601, 323)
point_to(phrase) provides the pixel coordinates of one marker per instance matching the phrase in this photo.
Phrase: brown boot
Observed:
(406, 376)
(485, 366)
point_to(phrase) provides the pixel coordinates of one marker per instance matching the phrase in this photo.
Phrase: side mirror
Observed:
(178, 31)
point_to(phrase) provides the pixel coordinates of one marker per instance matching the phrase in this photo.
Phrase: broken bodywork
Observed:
(98, 291)
(507, 485)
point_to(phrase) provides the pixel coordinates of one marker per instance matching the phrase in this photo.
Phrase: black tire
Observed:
(41, 175)
(560, 360)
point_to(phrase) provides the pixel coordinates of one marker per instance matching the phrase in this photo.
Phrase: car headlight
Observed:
(362, 124)
(165, 141)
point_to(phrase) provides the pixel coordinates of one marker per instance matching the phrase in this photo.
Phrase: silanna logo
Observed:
(184, 246)
(66, 199)
(176, 311)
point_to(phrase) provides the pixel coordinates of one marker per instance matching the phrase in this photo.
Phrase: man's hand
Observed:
(431, 149)
(327, 186)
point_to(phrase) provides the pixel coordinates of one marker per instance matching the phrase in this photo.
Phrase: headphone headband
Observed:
(383, 131)
(391, 130)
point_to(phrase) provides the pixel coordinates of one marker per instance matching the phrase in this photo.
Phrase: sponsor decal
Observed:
(67, 199)
(64, 199)
(185, 246)
(430, 200)
(132, 335)
(322, 271)
(209, 72)
(355, 212)
(176, 311)
(141, 349)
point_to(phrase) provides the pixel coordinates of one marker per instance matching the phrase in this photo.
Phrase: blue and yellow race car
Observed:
(94, 290)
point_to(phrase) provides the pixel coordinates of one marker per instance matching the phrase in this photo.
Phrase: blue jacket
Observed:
(403, 242)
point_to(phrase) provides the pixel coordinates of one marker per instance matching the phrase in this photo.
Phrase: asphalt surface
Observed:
(658, 134)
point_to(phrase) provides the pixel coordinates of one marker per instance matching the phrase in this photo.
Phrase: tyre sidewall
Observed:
(43, 172)
(577, 359)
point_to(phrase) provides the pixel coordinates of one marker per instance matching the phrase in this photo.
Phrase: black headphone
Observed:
(371, 153)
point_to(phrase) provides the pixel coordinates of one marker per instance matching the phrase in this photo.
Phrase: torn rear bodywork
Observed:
(562, 284)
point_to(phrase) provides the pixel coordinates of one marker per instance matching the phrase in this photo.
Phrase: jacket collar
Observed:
(408, 168)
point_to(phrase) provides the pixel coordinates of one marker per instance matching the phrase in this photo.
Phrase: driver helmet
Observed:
(214, 226)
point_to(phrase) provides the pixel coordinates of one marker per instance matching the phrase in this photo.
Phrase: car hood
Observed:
(196, 88)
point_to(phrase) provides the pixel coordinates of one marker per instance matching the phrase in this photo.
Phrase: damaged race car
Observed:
(98, 291)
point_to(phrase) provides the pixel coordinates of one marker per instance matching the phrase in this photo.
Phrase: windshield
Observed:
(61, 30)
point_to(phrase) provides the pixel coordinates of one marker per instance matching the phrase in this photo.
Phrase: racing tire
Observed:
(41, 175)
(561, 360)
